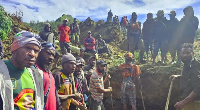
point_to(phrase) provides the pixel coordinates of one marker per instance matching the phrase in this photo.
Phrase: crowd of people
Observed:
(159, 34)
(26, 80)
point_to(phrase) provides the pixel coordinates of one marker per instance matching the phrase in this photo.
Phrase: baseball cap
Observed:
(172, 12)
(65, 19)
(101, 62)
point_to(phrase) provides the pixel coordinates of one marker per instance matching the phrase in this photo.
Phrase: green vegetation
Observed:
(5, 24)
(197, 34)
(38, 26)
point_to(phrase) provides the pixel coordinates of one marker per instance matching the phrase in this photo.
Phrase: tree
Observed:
(5, 24)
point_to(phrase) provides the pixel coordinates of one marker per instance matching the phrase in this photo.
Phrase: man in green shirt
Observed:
(20, 82)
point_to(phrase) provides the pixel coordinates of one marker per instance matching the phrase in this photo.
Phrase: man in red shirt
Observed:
(89, 43)
(64, 37)
(43, 62)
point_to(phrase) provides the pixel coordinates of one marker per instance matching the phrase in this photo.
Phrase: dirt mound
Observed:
(155, 85)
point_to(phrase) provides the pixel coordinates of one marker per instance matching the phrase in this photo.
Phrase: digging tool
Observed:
(109, 86)
(110, 94)
(142, 96)
(84, 108)
(169, 94)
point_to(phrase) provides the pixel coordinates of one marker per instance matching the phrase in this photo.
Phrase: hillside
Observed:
(154, 79)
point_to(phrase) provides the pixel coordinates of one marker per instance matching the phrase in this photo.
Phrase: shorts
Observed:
(129, 96)
(95, 105)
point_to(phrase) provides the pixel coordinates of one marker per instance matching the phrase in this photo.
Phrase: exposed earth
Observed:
(154, 79)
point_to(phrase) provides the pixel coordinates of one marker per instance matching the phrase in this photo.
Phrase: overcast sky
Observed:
(43, 10)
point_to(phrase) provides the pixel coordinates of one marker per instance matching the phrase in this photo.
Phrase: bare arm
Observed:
(106, 78)
(64, 97)
(181, 104)
(100, 90)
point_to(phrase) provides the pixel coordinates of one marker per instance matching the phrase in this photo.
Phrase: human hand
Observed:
(172, 77)
(78, 95)
(110, 89)
(179, 105)
(108, 76)
(81, 106)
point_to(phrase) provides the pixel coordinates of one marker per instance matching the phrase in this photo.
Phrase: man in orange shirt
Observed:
(130, 73)
(64, 37)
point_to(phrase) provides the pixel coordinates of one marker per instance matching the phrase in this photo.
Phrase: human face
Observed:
(26, 55)
(64, 22)
(149, 17)
(172, 16)
(186, 55)
(101, 68)
(48, 28)
(134, 17)
(92, 61)
(69, 66)
(89, 34)
(78, 69)
(46, 56)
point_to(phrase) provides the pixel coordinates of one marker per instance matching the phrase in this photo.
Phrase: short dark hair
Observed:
(187, 45)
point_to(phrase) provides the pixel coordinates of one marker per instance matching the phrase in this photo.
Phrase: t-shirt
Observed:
(51, 100)
(23, 87)
(64, 33)
(96, 81)
(89, 40)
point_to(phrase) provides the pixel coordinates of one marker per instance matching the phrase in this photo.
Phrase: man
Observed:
(20, 84)
(75, 31)
(89, 44)
(64, 37)
(1, 49)
(130, 75)
(109, 18)
(97, 86)
(134, 37)
(189, 80)
(147, 32)
(43, 62)
(187, 28)
(80, 80)
(65, 85)
(46, 34)
(172, 40)
(124, 23)
(188, 25)
(159, 36)
(89, 69)
(101, 45)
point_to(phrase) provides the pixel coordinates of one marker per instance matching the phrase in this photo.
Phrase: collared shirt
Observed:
(96, 81)
(190, 79)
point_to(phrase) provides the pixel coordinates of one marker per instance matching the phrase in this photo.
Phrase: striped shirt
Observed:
(96, 81)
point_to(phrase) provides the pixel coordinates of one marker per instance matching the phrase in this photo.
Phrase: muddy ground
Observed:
(155, 86)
